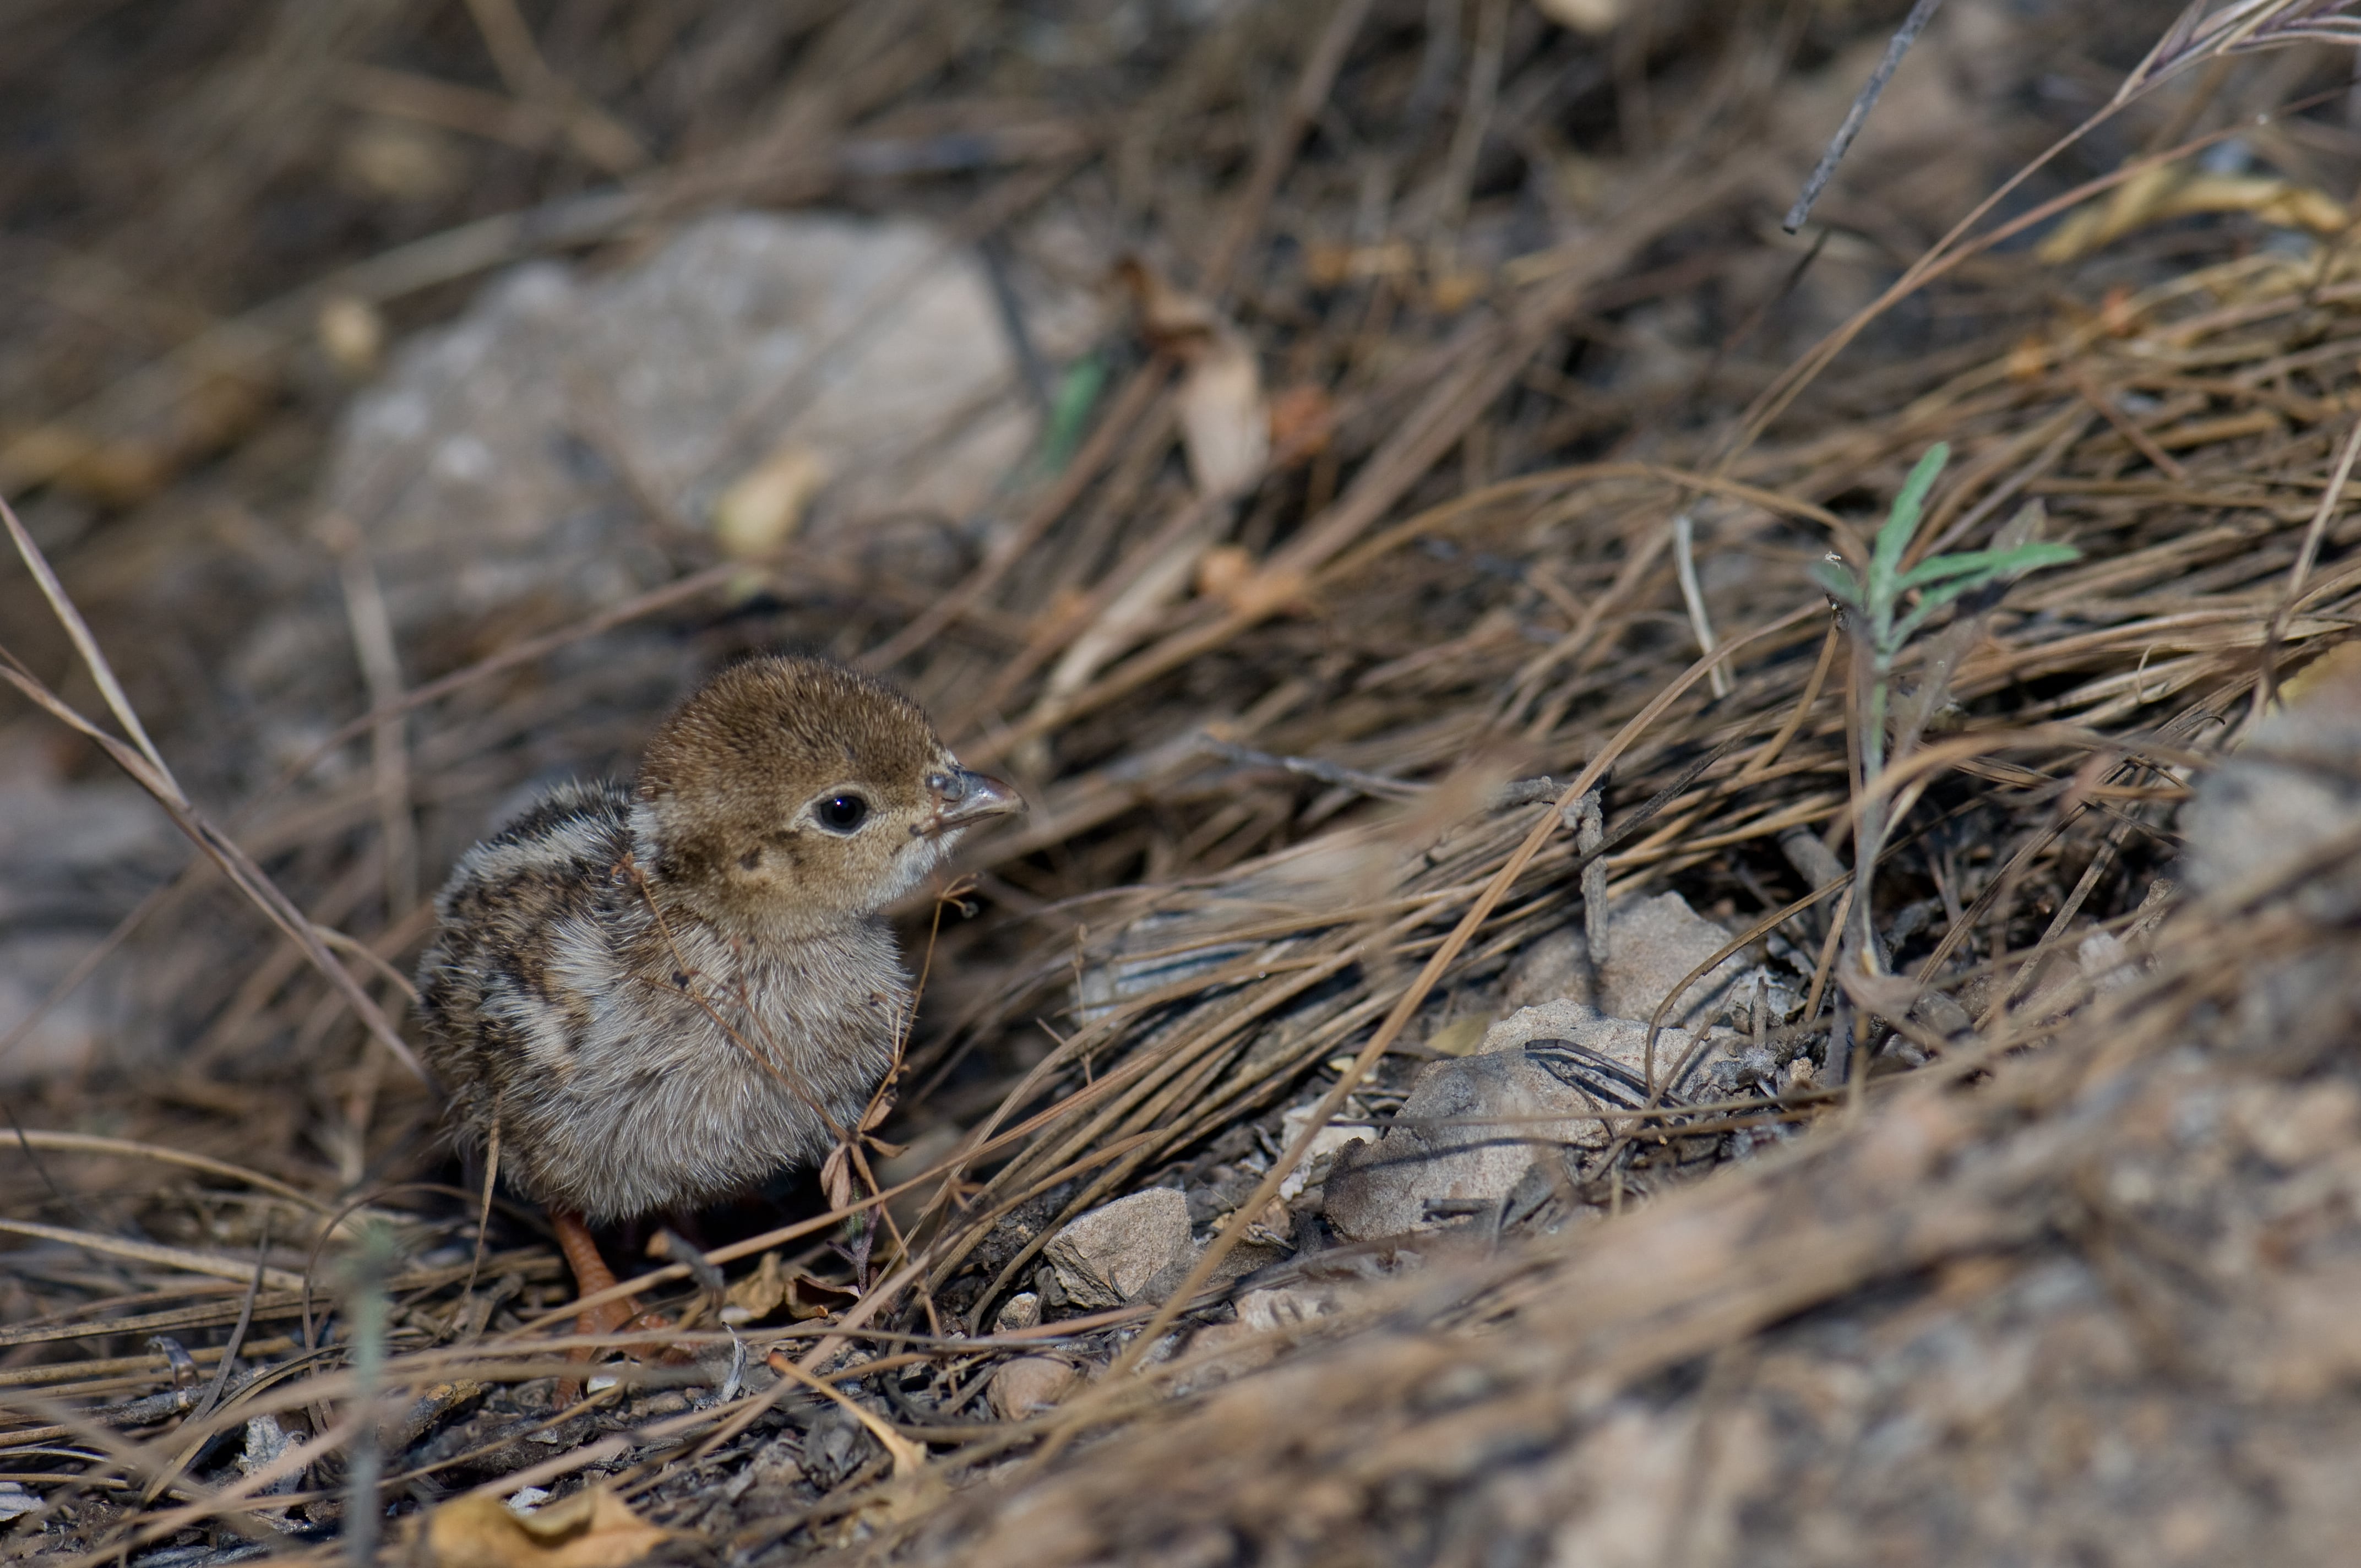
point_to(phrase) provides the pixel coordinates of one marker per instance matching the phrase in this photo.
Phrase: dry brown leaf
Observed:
(1232, 575)
(1301, 420)
(759, 1294)
(1329, 266)
(1455, 289)
(1270, 590)
(592, 1529)
(1170, 319)
(836, 1178)
(1224, 417)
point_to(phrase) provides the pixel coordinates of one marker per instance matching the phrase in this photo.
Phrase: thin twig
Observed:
(1855, 117)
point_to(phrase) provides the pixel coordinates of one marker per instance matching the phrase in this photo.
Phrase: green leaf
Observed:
(1069, 412)
(1837, 579)
(1895, 538)
(1989, 562)
(1928, 603)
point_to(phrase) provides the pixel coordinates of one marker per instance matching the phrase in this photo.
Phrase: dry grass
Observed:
(1270, 835)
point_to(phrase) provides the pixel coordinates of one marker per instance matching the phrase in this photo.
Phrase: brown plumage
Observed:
(666, 993)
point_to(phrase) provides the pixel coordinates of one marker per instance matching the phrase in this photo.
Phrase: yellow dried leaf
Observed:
(2029, 359)
(1270, 590)
(2338, 670)
(1455, 290)
(760, 1293)
(1328, 266)
(2175, 192)
(1224, 421)
(352, 334)
(1460, 1036)
(1591, 16)
(764, 507)
(592, 1529)
(1221, 569)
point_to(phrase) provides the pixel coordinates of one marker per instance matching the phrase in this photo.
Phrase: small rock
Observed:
(1286, 1306)
(1021, 1310)
(266, 1443)
(1651, 944)
(1222, 1350)
(15, 1502)
(1945, 1016)
(779, 1464)
(1114, 1252)
(1029, 1384)
(1383, 1188)
(1324, 1144)
(1560, 1058)
(2265, 815)
(75, 857)
(835, 1446)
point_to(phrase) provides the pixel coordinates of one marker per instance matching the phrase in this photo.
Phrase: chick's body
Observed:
(661, 994)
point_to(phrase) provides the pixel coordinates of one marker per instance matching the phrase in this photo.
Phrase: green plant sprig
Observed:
(1937, 580)
(1881, 619)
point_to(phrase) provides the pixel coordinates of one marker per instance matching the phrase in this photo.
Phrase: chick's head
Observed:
(790, 796)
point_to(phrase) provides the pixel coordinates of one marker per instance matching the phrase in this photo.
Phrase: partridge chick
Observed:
(652, 997)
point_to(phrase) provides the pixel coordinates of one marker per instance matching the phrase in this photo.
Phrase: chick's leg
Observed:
(592, 1276)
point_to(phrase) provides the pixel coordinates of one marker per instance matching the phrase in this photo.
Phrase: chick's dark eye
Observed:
(841, 813)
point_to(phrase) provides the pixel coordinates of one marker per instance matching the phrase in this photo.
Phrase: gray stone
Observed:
(1117, 1252)
(1383, 1188)
(2284, 798)
(1652, 943)
(502, 457)
(74, 858)
(1625, 1066)
(1554, 1062)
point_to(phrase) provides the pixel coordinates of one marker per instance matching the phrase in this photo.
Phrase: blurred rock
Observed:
(515, 456)
(1115, 1253)
(1029, 1384)
(2287, 798)
(1559, 1060)
(1290, 1305)
(74, 858)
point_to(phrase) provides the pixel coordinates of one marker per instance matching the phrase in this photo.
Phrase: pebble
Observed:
(1652, 943)
(1029, 1384)
(1116, 1252)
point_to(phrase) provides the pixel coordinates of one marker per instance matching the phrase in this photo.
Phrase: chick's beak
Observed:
(962, 798)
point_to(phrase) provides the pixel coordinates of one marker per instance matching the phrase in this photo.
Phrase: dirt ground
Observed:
(1465, 592)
